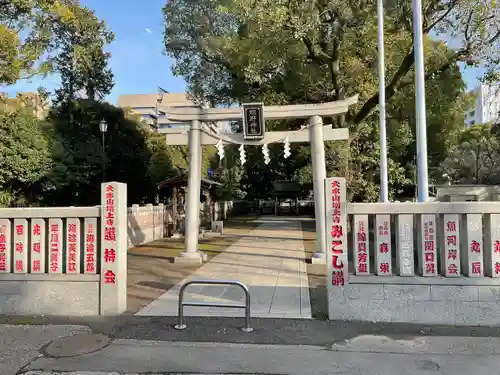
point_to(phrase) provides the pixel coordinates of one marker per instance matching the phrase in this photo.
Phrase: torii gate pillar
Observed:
(192, 224)
(197, 137)
(319, 176)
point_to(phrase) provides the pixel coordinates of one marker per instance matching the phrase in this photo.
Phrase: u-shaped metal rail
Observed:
(180, 325)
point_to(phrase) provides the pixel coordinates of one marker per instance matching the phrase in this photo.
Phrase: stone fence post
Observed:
(113, 282)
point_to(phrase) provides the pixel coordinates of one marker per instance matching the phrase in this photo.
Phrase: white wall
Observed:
(486, 107)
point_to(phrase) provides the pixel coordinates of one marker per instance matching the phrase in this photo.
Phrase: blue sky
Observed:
(137, 61)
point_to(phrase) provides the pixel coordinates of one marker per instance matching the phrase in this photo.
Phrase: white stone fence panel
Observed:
(425, 239)
(65, 260)
(425, 263)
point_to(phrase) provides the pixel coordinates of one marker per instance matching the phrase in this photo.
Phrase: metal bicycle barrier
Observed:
(246, 306)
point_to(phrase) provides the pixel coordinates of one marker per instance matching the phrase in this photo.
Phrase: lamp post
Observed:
(103, 127)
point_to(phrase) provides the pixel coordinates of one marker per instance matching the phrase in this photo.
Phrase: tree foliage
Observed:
(24, 156)
(82, 61)
(77, 154)
(476, 158)
(30, 34)
(288, 52)
(59, 160)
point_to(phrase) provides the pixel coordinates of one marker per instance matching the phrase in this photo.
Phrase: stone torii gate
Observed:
(197, 136)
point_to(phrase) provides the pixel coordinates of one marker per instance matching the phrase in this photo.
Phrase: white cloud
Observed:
(148, 31)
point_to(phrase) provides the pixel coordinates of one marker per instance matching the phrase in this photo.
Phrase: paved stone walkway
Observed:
(270, 260)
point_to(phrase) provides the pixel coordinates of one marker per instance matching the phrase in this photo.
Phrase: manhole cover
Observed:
(76, 345)
(428, 365)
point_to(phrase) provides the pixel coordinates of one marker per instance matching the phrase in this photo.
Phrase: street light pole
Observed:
(384, 188)
(103, 127)
(418, 47)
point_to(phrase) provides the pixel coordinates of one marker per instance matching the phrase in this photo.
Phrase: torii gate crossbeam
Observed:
(196, 137)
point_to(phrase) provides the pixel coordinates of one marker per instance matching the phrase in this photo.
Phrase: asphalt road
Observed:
(367, 355)
(21, 344)
(266, 331)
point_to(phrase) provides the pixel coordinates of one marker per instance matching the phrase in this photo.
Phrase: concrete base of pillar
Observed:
(191, 259)
(318, 258)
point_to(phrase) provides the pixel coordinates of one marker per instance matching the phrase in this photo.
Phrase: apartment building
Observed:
(148, 107)
(486, 106)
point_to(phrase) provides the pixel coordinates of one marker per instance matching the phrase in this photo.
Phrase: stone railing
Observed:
(147, 223)
(65, 260)
(426, 239)
(225, 209)
(413, 262)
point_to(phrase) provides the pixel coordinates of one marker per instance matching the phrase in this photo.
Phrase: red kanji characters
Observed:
(338, 278)
(36, 247)
(90, 250)
(384, 247)
(453, 269)
(361, 236)
(362, 267)
(109, 277)
(35, 267)
(384, 267)
(89, 247)
(451, 240)
(36, 230)
(429, 257)
(496, 246)
(362, 257)
(428, 245)
(19, 230)
(109, 234)
(430, 268)
(452, 254)
(89, 265)
(3, 265)
(476, 268)
(109, 218)
(497, 268)
(19, 247)
(451, 226)
(19, 265)
(109, 255)
(475, 247)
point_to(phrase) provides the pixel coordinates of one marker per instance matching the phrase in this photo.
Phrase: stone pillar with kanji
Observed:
(113, 249)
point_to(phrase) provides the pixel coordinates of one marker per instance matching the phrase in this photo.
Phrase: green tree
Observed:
(286, 52)
(82, 61)
(30, 35)
(24, 157)
(76, 151)
(476, 158)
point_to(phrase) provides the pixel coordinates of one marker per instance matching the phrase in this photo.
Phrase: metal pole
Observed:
(247, 327)
(422, 170)
(192, 226)
(319, 176)
(103, 159)
(384, 184)
(180, 324)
